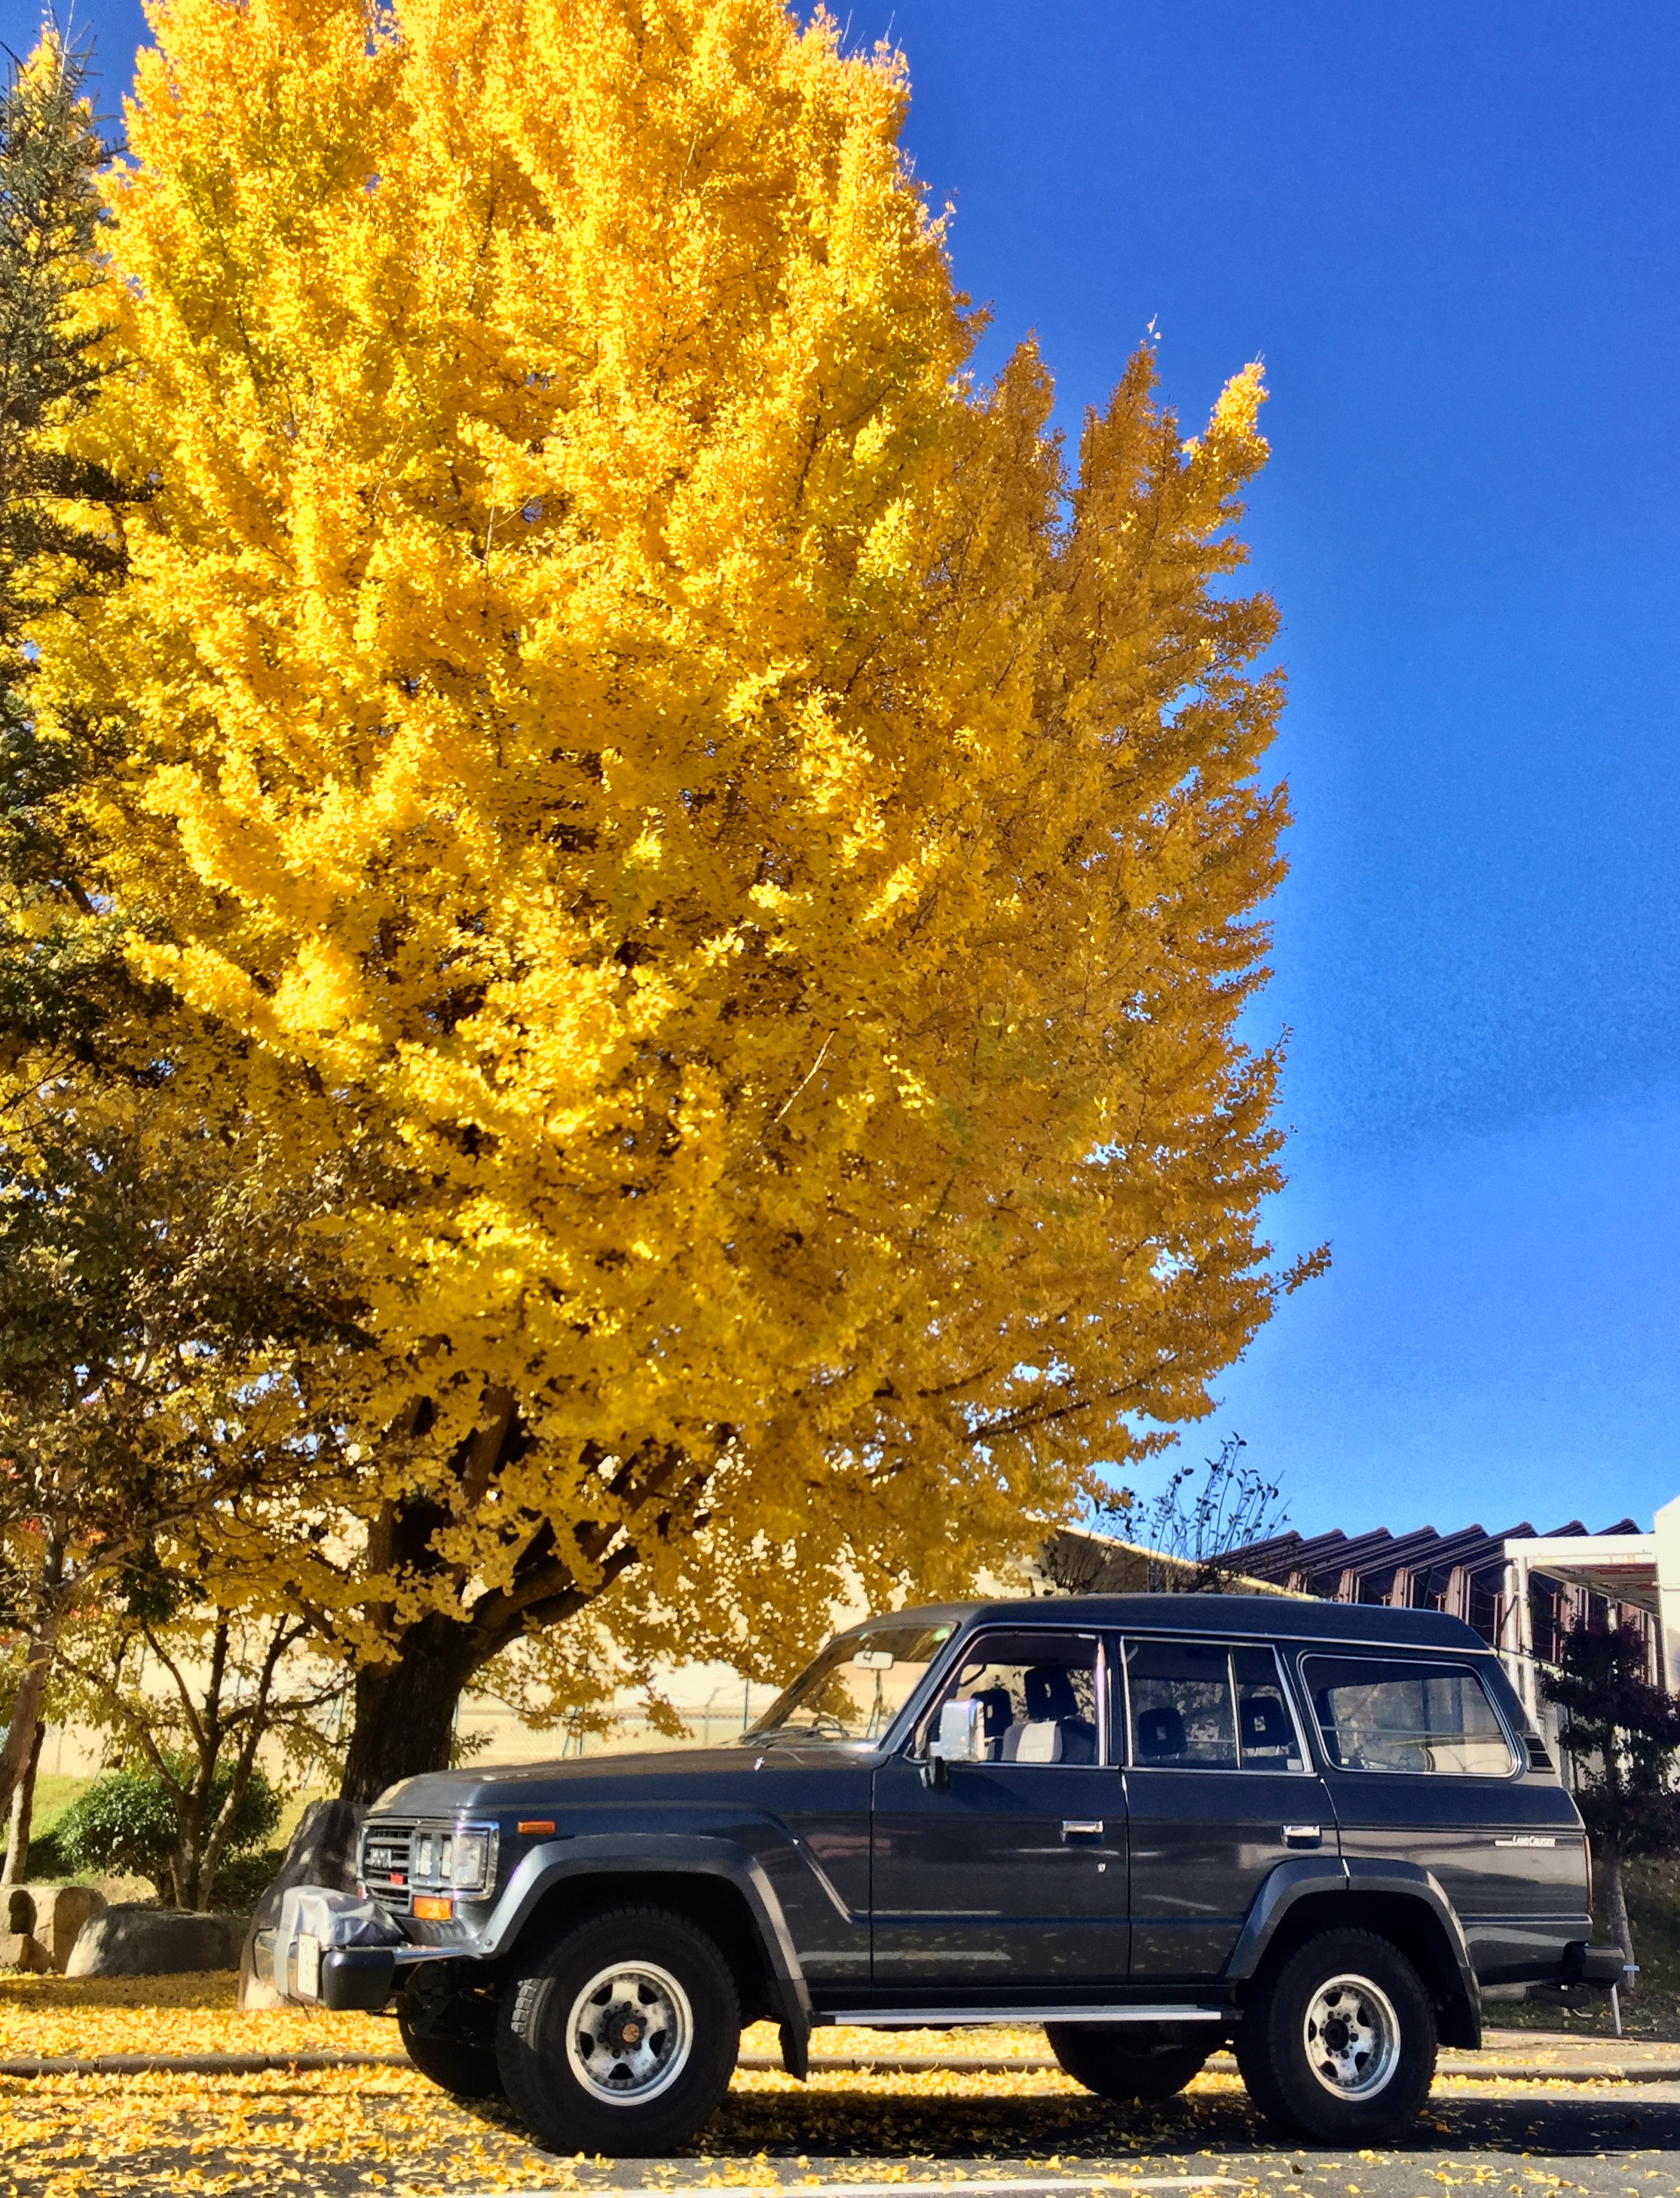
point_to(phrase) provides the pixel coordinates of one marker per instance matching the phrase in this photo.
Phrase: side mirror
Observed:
(961, 1739)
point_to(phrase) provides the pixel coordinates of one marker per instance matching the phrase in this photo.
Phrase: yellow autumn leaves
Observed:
(755, 859)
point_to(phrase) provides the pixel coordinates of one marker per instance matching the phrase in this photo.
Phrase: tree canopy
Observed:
(740, 859)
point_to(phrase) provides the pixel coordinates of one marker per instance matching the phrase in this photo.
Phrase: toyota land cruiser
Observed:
(1151, 1823)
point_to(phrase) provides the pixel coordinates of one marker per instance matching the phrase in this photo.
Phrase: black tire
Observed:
(1122, 2066)
(1338, 2045)
(449, 2033)
(645, 2062)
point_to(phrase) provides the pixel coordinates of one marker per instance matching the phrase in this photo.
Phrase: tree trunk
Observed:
(15, 1868)
(405, 1709)
(20, 1735)
(185, 1862)
(1615, 1909)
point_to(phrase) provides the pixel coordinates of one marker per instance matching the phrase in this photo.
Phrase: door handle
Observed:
(1082, 1828)
(1302, 1836)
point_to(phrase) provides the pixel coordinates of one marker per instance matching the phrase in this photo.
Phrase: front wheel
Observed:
(1126, 2068)
(1339, 2044)
(621, 2038)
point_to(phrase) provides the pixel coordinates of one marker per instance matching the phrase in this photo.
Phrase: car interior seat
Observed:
(1265, 1724)
(1055, 1731)
(1161, 1734)
(998, 1714)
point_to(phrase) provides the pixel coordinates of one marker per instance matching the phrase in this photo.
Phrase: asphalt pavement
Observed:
(1529, 2114)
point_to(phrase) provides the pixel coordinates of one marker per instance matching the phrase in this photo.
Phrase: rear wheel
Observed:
(621, 2038)
(1123, 2065)
(1339, 2044)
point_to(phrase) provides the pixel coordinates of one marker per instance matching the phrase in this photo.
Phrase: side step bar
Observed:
(959, 2017)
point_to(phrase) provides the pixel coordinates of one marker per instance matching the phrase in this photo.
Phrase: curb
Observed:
(199, 2064)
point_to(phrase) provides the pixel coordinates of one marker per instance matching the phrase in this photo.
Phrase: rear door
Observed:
(1218, 1791)
(1013, 1876)
(1421, 1769)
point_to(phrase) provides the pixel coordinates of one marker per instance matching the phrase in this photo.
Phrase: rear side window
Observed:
(1195, 1706)
(1375, 1715)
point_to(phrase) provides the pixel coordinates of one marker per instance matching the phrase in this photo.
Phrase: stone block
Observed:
(19, 1949)
(127, 1941)
(54, 1914)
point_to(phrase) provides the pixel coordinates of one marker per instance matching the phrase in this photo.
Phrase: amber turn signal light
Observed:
(433, 1907)
(536, 1824)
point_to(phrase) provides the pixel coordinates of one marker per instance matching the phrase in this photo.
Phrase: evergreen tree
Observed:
(151, 1287)
(1621, 1735)
(55, 962)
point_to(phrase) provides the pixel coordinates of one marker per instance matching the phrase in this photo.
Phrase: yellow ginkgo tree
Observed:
(757, 858)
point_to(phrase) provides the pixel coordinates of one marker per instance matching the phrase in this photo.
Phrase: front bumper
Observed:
(363, 1977)
(331, 1949)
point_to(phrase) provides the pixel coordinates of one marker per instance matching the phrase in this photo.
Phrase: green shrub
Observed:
(47, 1861)
(241, 1882)
(127, 1822)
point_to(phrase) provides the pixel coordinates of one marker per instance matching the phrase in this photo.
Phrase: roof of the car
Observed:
(1283, 1618)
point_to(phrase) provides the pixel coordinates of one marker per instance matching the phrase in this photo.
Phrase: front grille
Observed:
(387, 1844)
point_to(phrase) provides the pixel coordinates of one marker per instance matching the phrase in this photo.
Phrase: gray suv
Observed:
(1151, 1823)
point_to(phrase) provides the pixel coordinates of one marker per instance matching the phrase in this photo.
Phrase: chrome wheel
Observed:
(1352, 2037)
(630, 2034)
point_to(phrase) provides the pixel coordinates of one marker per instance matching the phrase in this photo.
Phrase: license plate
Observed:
(309, 1966)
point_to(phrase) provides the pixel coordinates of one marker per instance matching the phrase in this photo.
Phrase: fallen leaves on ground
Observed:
(365, 2130)
(44, 2017)
(362, 2133)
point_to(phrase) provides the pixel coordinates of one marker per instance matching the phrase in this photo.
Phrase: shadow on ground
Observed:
(325, 2141)
(856, 2128)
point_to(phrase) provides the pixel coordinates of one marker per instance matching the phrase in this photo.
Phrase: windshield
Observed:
(858, 1686)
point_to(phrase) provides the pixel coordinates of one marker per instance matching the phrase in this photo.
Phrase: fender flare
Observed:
(1291, 1882)
(676, 1854)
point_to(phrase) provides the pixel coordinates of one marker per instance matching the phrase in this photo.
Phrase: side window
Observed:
(1265, 1727)
(1196, 1706)
(1375, 1715)
(1037, 1693)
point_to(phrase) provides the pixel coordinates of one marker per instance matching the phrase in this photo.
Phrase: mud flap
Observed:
(796, 2049)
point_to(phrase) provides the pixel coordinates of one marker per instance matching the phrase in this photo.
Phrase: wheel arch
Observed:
(724, 1891)
(713, 1903)
(1403, 1904)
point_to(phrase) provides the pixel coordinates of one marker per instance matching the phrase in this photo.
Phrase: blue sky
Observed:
(1452, 234)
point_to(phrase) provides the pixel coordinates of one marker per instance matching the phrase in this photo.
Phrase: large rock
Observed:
(155, 1942)
(322, 1852)
(52, 1914)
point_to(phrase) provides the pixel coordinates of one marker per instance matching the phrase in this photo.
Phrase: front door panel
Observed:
(1015, 1876)
(1217, 1793)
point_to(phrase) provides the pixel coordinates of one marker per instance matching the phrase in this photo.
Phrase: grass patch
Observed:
(55, 1790)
